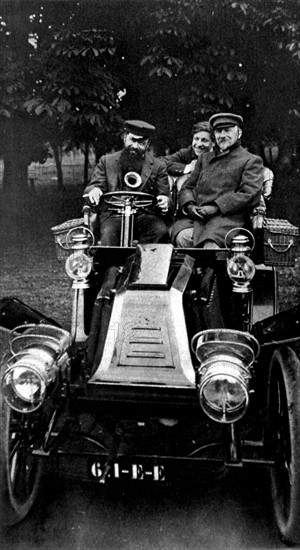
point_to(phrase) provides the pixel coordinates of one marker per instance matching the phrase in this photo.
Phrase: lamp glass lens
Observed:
(78, 265)
(224, 393)
(28, 385)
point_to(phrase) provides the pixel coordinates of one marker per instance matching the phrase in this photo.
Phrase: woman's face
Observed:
(202, 142)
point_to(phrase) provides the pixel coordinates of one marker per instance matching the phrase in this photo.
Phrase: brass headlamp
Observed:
(37, 354)
(225, 357)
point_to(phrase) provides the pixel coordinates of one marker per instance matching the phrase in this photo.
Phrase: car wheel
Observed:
(20, 471)
(284, 424)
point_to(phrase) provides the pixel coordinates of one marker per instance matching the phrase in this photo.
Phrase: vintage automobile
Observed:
(176, 358)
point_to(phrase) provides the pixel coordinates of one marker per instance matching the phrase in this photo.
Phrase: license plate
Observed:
(132, 471)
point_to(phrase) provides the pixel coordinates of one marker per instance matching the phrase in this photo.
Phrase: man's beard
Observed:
(131, 161)
(224, 144)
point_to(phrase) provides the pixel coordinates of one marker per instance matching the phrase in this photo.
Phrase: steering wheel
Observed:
(120, 199)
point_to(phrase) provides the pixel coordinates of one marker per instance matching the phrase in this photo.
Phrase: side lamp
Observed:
(240, 267)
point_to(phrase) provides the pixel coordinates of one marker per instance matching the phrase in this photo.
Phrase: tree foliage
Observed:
(57, 78)
(280, 16)
(75, 85)
(184, 47)
(63, 71)
(224, 55)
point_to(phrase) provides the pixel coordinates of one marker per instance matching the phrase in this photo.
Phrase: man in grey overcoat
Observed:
(223, 189)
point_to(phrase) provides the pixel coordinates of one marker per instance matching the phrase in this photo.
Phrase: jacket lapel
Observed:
(146, 170)
(115, 173)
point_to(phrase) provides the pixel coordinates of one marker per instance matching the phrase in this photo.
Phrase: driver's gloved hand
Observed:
(94, 196)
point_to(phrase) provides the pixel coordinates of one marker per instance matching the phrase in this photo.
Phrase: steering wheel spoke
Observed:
(135, 199)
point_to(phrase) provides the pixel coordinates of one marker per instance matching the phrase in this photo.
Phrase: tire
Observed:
(20, 471)
(284, 424)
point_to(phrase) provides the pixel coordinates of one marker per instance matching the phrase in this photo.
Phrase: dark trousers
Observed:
(148, 228)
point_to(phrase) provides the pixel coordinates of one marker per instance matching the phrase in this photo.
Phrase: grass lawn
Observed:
(29, 266)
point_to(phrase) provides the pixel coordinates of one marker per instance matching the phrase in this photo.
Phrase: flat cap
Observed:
(225, 120)
(139, 128)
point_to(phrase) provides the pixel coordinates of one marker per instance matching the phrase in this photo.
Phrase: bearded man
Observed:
(109, 174)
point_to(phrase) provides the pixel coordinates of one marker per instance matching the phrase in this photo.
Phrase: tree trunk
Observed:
(15, 172)
(16, 154)
(86, 164)
(58, 163)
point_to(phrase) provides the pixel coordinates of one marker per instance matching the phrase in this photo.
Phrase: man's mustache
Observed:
(135, 152)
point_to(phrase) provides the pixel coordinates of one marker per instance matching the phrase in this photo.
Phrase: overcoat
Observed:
(233, 181)
(107, 175)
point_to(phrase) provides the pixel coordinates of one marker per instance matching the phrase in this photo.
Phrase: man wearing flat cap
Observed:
(109, 174)
(223, 189)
